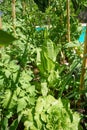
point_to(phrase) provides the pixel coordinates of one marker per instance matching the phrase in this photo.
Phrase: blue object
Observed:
(38, 29)
(82, 36)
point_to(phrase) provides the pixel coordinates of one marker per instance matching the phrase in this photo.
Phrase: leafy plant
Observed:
(40, 69)
(50, 113)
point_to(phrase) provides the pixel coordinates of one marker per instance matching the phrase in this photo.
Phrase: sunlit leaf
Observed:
(44, 88)
(21, 104)
(7, 97)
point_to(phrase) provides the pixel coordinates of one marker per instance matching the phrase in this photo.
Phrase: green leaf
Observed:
(5, 38)
(53, 77)
(14, 125)
(53, 113)
(50, 64)
(51, 50)
(7, 73)
(31, 90)
(43, 64)
(21, 104)
(29, 125)
(5, 124)
(44, 88)
(7, 97)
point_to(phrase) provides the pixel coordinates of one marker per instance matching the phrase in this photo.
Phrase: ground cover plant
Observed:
(39, 69)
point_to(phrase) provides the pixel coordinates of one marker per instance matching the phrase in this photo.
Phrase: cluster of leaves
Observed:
(33, 72)
(50, 113)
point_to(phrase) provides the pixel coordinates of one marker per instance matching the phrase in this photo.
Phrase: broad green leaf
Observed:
(25, 77)
(22, 93)
(29, 125)
(43, 116)
(50, 64)
(21, 104)
(7, 97)
(53, 77)
(5, 38)
(13, 102)
(28, 113)
(7, 73)
(18, 90)
(43, 63)
(5, 124)
(31, 90)
(20, 116)
(52, 50)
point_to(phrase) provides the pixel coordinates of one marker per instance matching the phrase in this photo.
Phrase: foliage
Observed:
(40, 70)
(52, 114)
(8, 38)
(42, 4)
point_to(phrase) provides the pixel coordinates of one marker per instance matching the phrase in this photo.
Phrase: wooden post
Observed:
(68, 20)
(14, 15)
(84, 64)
